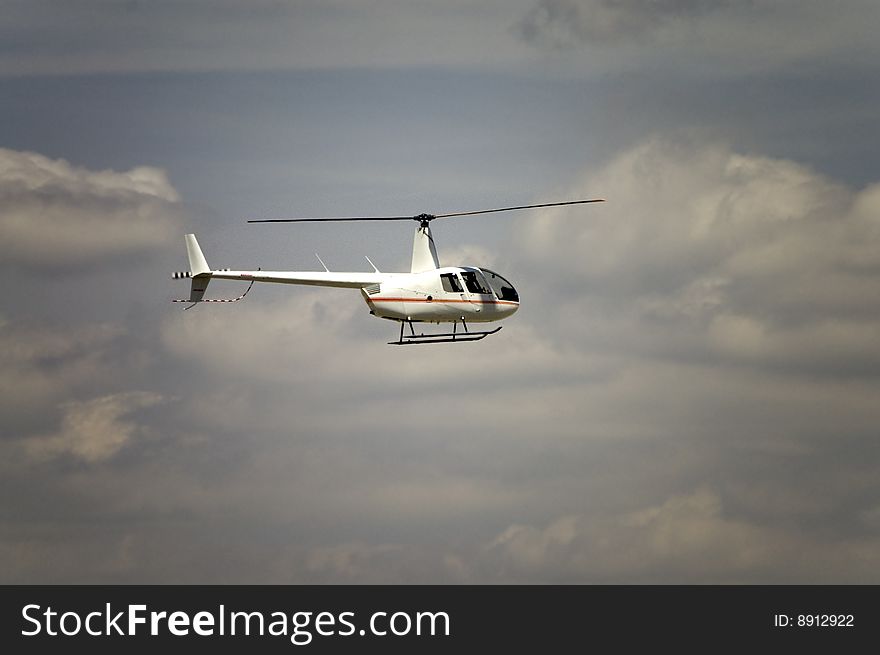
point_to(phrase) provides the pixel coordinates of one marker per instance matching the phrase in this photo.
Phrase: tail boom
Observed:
(201, 274)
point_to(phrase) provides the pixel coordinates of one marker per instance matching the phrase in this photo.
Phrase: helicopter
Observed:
(429, 293)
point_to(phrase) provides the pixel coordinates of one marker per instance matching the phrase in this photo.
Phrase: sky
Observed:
(688, 393)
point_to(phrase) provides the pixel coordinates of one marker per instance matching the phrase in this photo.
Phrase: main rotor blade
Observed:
(333, 220)
(508, 209)
(420, 217)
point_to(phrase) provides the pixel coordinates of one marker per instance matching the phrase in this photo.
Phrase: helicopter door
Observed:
(452, 285)
(476, 287)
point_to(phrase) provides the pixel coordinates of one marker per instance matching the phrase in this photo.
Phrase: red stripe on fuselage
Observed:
(481, 302)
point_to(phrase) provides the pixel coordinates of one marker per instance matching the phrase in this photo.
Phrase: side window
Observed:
(451, 283)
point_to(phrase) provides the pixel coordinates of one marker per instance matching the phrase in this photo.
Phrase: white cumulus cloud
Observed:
(707, 252)
(54, 215)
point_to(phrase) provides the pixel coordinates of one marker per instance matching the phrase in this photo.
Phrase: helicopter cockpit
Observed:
(480, 281)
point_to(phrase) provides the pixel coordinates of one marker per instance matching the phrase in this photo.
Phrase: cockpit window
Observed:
(451, 283)
(475, 282)
(502, 288)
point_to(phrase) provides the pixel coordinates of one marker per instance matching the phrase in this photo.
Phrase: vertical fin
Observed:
(201, 273)
(197, 263)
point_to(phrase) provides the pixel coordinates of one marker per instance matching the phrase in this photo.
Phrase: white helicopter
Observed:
(429, 293)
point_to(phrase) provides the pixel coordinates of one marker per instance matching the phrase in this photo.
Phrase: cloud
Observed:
(687, 538)
(95, 430)
(692, 360)
(45, 37)
(709, 324)
(346, 348)
(61, 390)
(398, 563)
(567, 22)
(199, 35)
(720, 37)
(55, 216)
(42, 365)
(712, 255)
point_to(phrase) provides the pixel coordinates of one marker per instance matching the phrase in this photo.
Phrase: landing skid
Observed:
(443, 337)
(196, 302)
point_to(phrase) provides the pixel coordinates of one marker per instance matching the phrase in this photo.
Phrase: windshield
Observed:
(502, 288)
